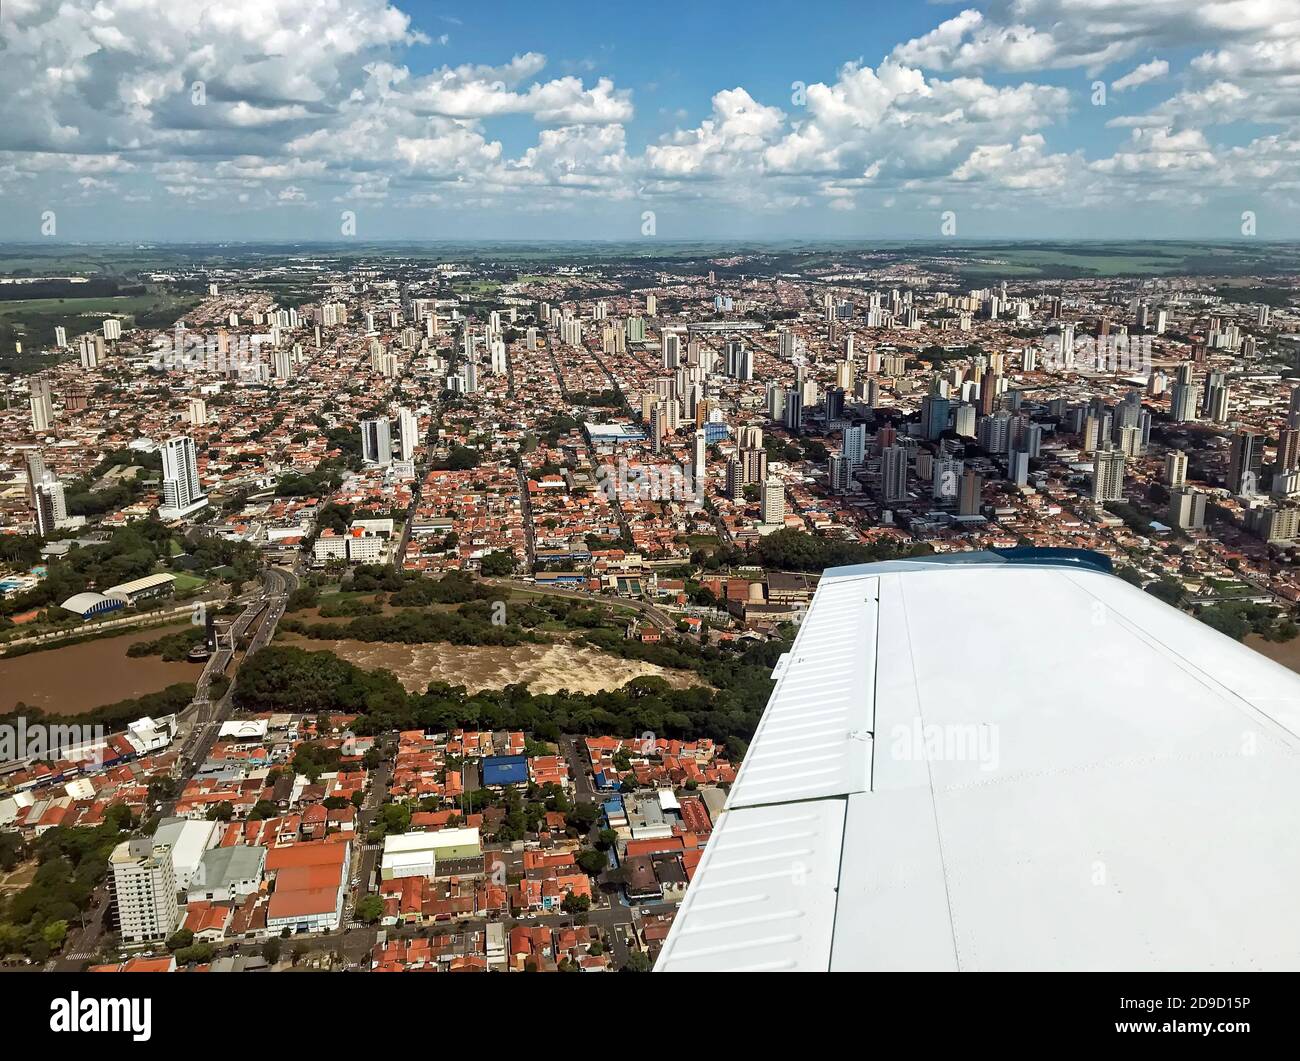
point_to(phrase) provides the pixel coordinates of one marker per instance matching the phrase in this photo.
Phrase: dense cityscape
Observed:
(440, 598)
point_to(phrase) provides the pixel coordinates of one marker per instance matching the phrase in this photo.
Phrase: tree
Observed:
(576, 904)
(497, 564)
(54, 934)
(222, 812)
(592, 861)
(180, 939)
(271, 951)
(370, 909)
(637, 962)
(198, 954)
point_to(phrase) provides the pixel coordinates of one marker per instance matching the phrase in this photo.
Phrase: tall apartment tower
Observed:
(1244, 462)
(1175, 469)
(1108, 475)
(182, 493)
(35, 461)
(144, 889)
(42, 405)
(409, 428)
(893, 474)
(376, 441)
(51, 505)
(972, 487)
(773, 494)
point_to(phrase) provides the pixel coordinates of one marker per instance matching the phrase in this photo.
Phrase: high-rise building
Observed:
(408, 427)
(35, 461)
(42, 405)
(855, 444)
(1217, 403)
(793, 410)
(144, 891)
(1182, 402)
(1187, 509)
(972, 488)
(964, 420)
(773, 495)
(700, 459)
(376, 441)
(51, 506)
(672, 350)
(839, 473)
(182, 493)
(282, 364)
(198, 412)
(1245, 460)
(1108, 475)
(112, 328)
(934, 416)
(1288, 449)
(1018, 467)
(1175, 469)
(89, 352)
(945, 476)
(893, 475)
(989, 384)
(995, 433)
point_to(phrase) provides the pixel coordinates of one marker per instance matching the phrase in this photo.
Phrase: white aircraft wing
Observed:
(999, 761)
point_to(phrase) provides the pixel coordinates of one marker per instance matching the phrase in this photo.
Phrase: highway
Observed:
(205, 715)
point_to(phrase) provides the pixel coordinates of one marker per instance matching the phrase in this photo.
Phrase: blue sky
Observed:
(274, 119)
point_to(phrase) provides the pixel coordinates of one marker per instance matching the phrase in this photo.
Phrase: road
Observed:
(205, 715)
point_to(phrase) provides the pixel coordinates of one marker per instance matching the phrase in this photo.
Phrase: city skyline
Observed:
(318, 120)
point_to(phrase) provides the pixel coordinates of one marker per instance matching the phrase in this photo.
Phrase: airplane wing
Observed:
(1006, 760)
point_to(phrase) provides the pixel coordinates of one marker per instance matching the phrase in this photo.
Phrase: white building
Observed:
(376, 441)
(144, 889)
(417, 854)
(773, 496)
(188, 840)
(182, 494)
(227, 874)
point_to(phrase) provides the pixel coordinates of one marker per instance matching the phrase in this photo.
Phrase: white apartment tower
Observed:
(773, 496)
(144, 889)
(51, 505)
(182, 494)
(409, 428)
(1175, 469)
(42, 406)
(1108, 475)
(376, 441)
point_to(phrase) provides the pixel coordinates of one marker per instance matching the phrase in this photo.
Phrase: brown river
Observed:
(65, 681)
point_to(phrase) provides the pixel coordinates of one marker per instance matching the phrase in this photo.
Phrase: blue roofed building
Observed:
(505, 770)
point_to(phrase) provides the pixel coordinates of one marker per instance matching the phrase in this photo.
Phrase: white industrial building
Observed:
(188, 840)
(227, 874)
(417, 854)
